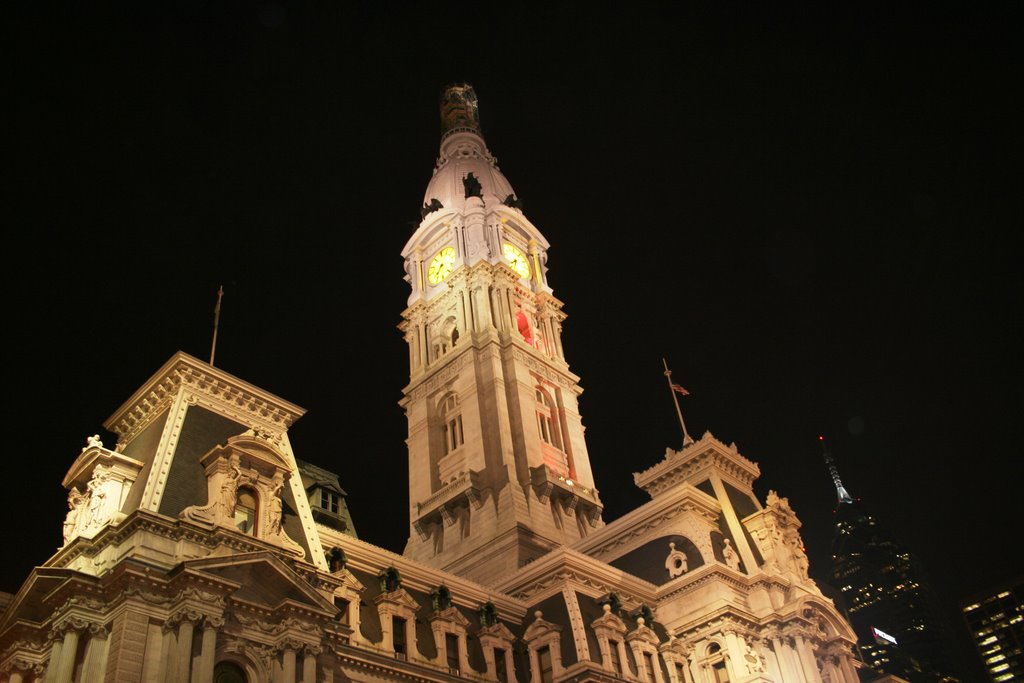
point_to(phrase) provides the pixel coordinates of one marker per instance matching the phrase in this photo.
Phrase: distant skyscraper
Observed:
(995, 620)
(887, 598)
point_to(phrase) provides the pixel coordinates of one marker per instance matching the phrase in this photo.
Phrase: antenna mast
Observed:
(674, 389)
(216, 321)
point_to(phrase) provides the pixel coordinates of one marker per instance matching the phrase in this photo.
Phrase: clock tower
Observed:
(498, 466)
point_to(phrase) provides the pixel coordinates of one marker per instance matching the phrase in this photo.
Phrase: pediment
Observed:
(540, 627)
(264, 580)
(398, 597)
(254, 449)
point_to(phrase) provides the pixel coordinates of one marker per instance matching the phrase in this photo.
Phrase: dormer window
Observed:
(329, 501)
(245, 511)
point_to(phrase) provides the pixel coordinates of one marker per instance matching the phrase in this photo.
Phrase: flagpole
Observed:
(668, 376)
(216, 321)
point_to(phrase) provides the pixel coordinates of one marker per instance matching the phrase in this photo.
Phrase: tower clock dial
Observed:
(441, 265)
(516, 258)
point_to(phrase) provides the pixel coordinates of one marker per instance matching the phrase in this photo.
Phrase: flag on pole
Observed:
(676, 387)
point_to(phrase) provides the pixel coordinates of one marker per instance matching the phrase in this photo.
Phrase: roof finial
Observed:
(844, 497)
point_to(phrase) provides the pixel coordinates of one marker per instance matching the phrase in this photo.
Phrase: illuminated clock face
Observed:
(441, 265)
(516, 258)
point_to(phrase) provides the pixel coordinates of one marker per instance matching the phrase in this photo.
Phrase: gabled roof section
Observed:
(263, 576)
(692, 462)
(213, 388)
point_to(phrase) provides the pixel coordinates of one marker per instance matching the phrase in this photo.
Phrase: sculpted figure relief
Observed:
(76, 503)
(275, 511)
(97, 496)
(229, 488)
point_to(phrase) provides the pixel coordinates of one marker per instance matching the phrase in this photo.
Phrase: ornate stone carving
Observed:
(732, 559)
(675, 563)
(251, 461)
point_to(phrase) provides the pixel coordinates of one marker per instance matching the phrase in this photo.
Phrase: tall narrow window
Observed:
(451, 649)
(398, 636)
(547, 419)
(649, 663)
(245, 511)
(451, 418)
(721, 672)
(547, 672)
(500, 672)
(613, 654)
(342, 604)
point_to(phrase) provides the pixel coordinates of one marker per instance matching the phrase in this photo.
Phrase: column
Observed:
(309, 654)
(846, 666)
(183, 655)
(785, 657)
(806, 658)
(288, 664)
(695, 673)
(95, 664)
(51, 667)
(63, 667)
(772, 660)
(736, 659)
(202, 671)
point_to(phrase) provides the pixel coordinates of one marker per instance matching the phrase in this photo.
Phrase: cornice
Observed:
(366, 557)
(681, 466)
(212, 387)
(651, 516)
(549, 573)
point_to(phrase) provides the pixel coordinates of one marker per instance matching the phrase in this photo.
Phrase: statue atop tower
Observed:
(459, 111)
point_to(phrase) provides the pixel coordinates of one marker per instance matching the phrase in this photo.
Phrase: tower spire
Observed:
(844, 496)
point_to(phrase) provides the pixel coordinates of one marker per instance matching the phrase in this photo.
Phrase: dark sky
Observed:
(812, 213)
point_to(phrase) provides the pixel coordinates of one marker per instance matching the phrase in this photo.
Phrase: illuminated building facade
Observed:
(995, 621)
(886, 596)
(199, 548)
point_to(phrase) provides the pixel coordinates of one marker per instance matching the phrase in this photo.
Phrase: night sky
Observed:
(812, 213)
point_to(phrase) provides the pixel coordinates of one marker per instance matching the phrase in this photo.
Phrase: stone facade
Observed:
(197, 549)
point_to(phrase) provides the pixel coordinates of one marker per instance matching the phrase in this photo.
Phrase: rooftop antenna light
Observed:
(844, 496)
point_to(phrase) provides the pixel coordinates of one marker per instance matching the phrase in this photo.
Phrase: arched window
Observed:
(451, 421)
(245, 511)
(716, 664)
(228, 672)
(547, 419)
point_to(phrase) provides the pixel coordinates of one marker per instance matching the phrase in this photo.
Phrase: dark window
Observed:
(341, 604)
(499, 665)
(245, 511)
(451, 648)
(649, 663)
(547, 672)
(613, 653)
(398, 635)
(329, 501)
(721, 673)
